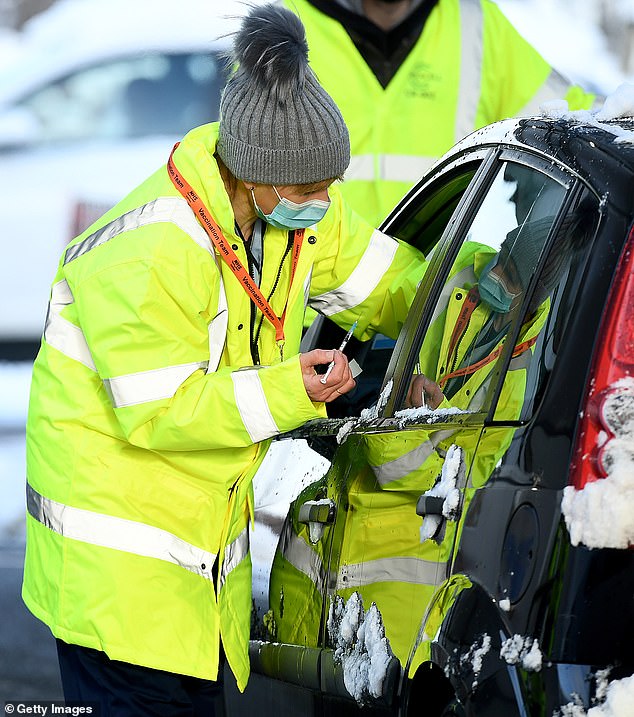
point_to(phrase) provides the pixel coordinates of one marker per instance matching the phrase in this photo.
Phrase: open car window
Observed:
(422, 223)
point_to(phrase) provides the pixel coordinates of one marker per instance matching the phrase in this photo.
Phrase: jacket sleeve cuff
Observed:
(286, 395)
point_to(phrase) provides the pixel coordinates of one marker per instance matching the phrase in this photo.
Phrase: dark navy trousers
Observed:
(124, 690)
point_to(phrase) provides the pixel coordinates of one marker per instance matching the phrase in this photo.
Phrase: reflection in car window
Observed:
(485, 287)
(151, 94)
(553, 296)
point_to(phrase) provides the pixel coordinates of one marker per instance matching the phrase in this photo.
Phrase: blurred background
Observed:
(93, 95)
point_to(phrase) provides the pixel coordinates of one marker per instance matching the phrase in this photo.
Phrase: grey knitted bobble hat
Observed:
(277, 123)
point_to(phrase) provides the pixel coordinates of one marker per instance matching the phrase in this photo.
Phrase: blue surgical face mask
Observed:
(493, 289)
(290, 215)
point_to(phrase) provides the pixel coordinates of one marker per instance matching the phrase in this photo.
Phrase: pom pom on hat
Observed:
(277, 123)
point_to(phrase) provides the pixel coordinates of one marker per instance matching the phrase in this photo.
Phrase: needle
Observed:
(346, 338)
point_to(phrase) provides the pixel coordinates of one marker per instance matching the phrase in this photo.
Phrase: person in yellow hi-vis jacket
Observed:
(170, 357)
(412, 77)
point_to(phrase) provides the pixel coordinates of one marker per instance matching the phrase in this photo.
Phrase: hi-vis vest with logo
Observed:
(399, 573)
(468, 68)
(148, 419)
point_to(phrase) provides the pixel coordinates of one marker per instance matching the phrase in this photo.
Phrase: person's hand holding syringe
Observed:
(338, 378)
(342, 346)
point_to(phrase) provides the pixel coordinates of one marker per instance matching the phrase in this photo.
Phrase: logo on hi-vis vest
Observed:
(422, 81)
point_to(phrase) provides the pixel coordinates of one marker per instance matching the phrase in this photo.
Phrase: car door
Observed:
(353, 539)
(286, 655)
(413, 471)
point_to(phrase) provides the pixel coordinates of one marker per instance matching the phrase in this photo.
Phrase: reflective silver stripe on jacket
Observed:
(174, 210)
(404, 167)
(146, 386)
(522, 361)
(410, 461)
(554, 88)
(471, 51)
(234, 554)
(307, 281)
(61, 334)
(217, 330)
(361, 167)
(376, 260)
(302, 556)
(128, 536)
(69, 339)
(253, 406)
(388, 167)
(400, 570)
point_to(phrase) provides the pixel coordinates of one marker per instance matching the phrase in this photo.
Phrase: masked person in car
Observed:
(476, 323)
(169, 359)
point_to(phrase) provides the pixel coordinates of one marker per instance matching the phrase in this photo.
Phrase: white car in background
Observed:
(92, 104)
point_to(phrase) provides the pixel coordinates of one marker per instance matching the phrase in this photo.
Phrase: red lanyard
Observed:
(468, 307)
(229, 256)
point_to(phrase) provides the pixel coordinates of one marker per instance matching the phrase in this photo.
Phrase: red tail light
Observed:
(607, 423)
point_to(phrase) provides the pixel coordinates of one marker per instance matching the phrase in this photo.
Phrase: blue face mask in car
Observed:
(290, 215)
(493, 290)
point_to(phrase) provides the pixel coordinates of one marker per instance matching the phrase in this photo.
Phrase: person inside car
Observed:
(169, 360)
(456, 365)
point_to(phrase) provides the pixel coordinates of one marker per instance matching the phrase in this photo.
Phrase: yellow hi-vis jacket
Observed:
(468, 68)
(147, 418)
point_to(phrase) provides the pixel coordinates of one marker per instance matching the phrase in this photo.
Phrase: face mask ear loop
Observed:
(256, 206)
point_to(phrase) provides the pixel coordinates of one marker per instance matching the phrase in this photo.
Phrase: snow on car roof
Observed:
(617, 109)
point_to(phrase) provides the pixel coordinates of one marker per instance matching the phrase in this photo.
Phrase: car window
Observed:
(132, 97)
(484, 290)
(558, 281)
(421, 223)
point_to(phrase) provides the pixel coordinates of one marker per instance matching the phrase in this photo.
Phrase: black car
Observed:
(432, 570)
